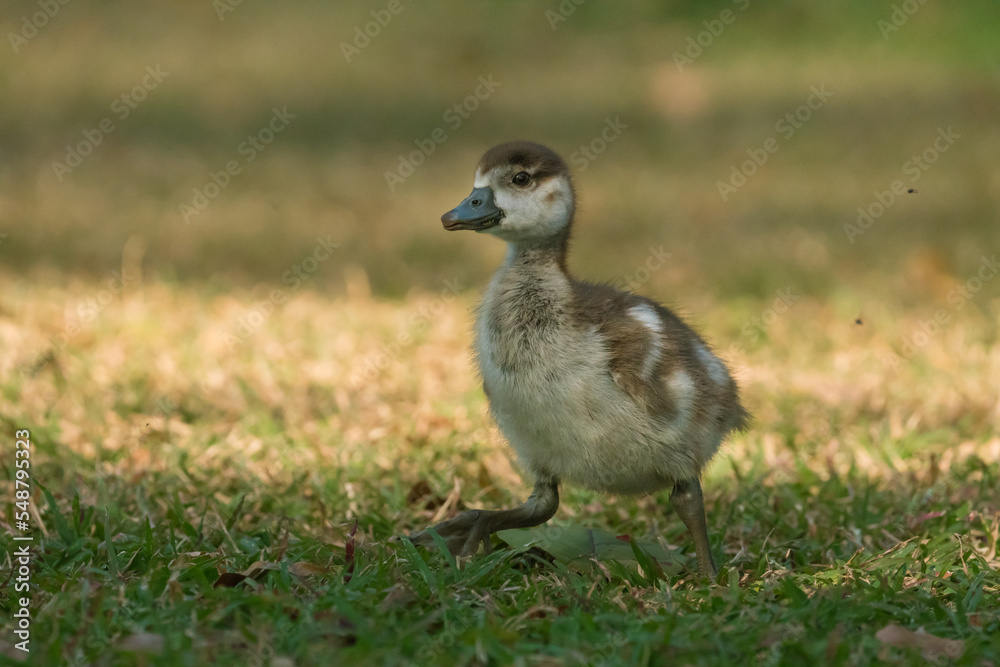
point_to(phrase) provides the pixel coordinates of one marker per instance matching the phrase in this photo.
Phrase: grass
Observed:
(163, 459)
(226, 436)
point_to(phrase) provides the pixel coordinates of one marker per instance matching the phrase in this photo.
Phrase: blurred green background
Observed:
(559, 81)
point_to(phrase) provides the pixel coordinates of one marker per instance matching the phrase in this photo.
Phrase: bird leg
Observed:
(690, 506)
(468, 530)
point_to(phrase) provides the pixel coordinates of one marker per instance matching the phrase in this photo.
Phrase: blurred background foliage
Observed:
(656, 185)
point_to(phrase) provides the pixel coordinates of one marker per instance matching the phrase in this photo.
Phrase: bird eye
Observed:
(521, 178)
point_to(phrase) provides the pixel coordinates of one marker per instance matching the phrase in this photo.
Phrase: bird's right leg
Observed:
(690, 506)
(467, 531)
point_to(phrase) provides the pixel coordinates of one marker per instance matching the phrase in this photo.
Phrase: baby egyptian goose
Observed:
(590, 385)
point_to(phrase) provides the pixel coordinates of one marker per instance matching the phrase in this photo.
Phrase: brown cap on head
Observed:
(538, 159)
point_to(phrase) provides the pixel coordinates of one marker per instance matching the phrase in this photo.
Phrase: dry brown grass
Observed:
(356, 380)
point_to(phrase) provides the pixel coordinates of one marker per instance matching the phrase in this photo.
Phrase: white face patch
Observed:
(482, 180)
(715, 369)
(530, 214)
(646, 316)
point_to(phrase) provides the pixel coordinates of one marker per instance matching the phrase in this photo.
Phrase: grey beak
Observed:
(477, 211)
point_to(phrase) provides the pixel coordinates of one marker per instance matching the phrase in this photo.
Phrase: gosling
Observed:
(593, 386)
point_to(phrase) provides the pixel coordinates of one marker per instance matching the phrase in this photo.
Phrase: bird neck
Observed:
(542, 253)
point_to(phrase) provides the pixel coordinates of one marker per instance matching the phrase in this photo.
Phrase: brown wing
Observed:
(628, 341)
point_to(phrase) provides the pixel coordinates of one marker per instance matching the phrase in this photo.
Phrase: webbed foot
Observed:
(462, 535)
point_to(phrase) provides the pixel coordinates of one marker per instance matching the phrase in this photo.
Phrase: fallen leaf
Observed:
(8, 650)
(418, 492)
(229, 580)
(927, 517)
(930, 646)
(282, 545)
(541, 611)
(343, 630)
(452, 503)
(579, 547)
(304, 569)
(259, 568)
(483, 478)
(255, 571)
(142, 642)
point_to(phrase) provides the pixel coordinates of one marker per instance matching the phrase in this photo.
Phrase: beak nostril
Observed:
(476, 202)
